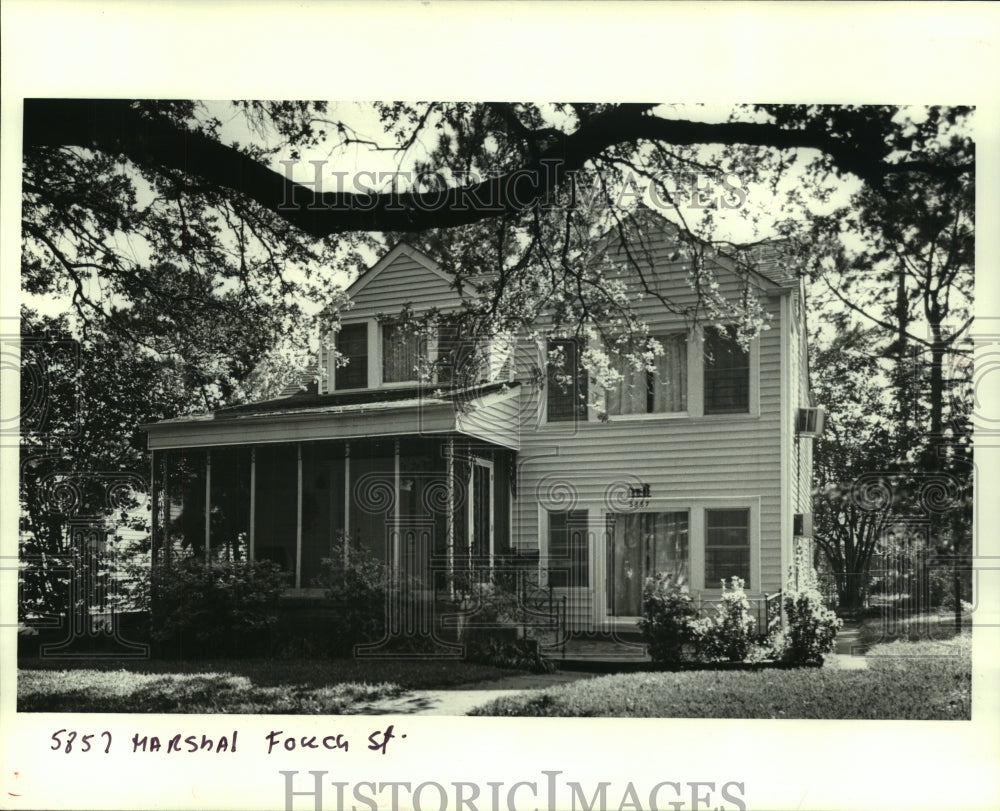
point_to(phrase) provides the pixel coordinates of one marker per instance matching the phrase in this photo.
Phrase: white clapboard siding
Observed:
(403, 282)
(698, 460)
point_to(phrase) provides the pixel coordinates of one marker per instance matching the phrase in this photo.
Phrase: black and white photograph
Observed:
(351, 437)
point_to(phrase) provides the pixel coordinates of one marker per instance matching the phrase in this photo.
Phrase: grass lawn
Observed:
(903, 680)
(231, 686)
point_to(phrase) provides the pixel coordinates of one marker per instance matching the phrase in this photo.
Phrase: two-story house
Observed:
(700, 468)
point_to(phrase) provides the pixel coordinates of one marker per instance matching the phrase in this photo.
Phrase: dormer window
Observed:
(352, 343)
(403, 352)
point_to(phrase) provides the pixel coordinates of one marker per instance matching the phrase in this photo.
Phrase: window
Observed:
(352, 343)
(567, 382)
(727, 374)
(569, 563)
(653, 392)
(402, 353)
(727, 546)
(641, 545)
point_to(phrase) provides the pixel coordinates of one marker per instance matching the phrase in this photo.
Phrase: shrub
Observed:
(519, 654)
(216, 607)
(356, 588)
(730, 633)
(668, 617)
(811, 627)
(492, 603)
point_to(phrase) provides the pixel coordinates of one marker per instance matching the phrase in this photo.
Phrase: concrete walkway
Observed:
(461, 701)
(848, 652)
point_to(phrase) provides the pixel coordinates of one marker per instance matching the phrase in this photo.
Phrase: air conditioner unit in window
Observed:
(802, 525)
(810, 421)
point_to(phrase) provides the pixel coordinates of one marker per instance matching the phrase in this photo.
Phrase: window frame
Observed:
(338, 370)
(752, 372)
(582, 524)
(582, 408)
(430, 350)
(688, 387)
(752, 573)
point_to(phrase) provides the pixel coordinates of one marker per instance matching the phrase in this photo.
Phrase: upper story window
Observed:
(403, 351)
(566, 385)
(352, 343)
(727, 374)
(662, 391)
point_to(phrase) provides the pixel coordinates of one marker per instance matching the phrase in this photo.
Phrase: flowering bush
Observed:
(811, 627)
(730, 633)
(668, 617)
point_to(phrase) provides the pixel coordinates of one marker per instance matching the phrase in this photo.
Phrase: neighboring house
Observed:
(701, 469)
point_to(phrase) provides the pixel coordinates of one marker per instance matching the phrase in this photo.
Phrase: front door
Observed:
(481, 514)
(642, 544)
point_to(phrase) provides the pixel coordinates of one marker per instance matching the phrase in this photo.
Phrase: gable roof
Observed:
(305, 382)
(769, 264)
(399, 249)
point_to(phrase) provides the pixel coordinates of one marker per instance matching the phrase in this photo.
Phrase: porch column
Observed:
(395, 507)
(251, 551)
(208, 506)
(166, 507)
(154, 506)
(449, 455)
(347, 503)
(298, 520)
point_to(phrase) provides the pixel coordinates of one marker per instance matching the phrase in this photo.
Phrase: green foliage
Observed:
(517, 654)
(904, 682)
(357, 589)
(218, 607)
(729, 634)
(667, 624)
(493, 603)
(811, 628)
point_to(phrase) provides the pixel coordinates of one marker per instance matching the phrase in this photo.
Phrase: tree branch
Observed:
(150, 140)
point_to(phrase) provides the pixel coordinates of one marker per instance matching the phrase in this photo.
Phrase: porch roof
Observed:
(488, 412)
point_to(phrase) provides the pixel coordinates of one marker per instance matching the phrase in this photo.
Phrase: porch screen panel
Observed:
(184, 502)
(372, 498)
(423, 502)
(639, 546)
(322, 505)
(727, 546)
(481, 513)
(230, 521)
(277, 503)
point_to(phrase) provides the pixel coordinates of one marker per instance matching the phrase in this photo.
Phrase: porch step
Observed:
(602, 654)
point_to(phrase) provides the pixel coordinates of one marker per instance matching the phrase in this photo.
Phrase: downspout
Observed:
(785, 434)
